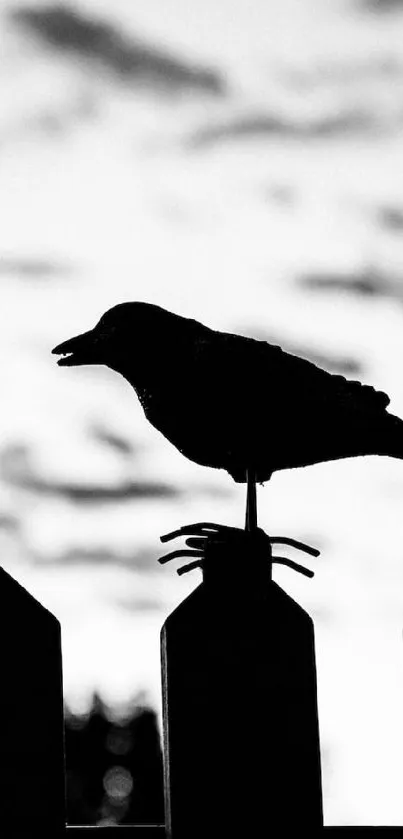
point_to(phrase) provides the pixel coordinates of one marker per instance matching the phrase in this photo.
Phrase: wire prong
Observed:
(176, 554)
(293, 543)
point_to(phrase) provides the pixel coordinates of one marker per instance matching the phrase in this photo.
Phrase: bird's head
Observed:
(126, 333)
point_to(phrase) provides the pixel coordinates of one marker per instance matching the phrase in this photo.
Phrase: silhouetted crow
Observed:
(235, 403)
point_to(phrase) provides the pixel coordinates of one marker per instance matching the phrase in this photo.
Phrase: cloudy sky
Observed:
(241, 163)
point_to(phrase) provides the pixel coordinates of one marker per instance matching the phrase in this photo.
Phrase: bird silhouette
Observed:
(235, 403)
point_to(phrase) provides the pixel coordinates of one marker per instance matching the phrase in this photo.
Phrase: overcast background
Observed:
(237, 161)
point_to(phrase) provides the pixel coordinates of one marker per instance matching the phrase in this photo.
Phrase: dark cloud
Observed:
(16, 468)
(31, 268)
(382, 6)
(239, 128)
(9, 523)
(369, 283)
(282, 194)
(67, 30)
(95, 493)
(342, 123)
(339, 72)
(135, 604)
(363, 284)
(141, 561)
(339, 124)
(391, 218)
(111, 439)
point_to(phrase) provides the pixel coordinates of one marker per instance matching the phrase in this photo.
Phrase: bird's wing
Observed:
(321, 388)
(264, 374)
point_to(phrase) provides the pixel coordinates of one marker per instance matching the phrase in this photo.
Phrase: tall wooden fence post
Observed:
(32, 780)
(240, 704)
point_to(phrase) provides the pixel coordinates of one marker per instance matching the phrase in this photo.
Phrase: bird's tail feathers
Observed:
(391, 440)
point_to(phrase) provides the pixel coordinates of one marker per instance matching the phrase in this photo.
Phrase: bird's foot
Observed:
(208, 539)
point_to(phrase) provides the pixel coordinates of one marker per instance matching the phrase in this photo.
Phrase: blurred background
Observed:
(240, 163)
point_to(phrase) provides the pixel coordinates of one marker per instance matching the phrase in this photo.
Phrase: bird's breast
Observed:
(190, 422)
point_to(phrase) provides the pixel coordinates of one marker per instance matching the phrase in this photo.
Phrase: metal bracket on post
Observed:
(206, 537)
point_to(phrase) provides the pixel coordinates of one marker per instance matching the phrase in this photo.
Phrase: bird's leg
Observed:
(251, 507)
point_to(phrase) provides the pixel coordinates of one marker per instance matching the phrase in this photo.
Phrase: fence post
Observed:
(240, 704)
(32, 780)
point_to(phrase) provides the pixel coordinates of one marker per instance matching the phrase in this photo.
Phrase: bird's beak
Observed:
(83, 349)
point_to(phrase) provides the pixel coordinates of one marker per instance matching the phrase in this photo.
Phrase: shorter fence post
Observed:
(32, 778)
